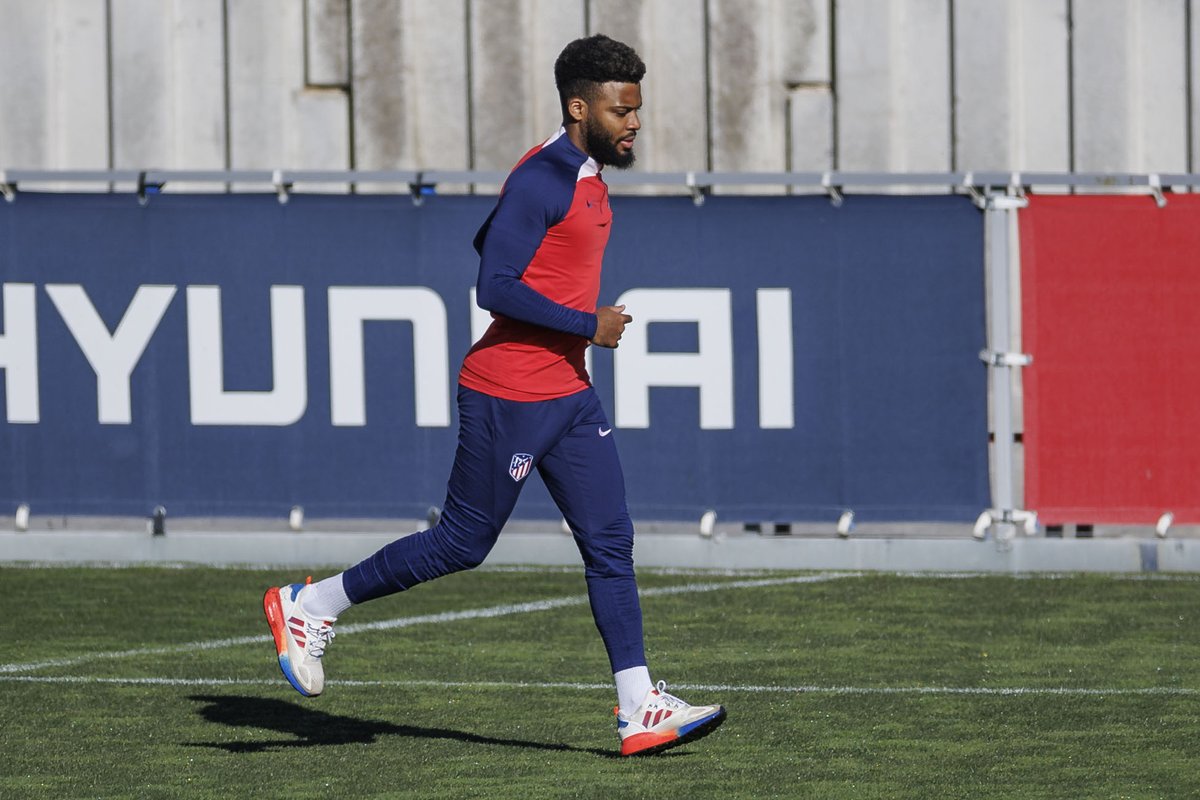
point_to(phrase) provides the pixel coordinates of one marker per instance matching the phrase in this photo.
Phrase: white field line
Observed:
(999, 691)
(405, 622)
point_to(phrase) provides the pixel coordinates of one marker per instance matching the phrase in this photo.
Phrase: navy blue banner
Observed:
(231, 355)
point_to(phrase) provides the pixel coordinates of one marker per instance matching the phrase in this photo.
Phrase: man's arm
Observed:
(504, 256)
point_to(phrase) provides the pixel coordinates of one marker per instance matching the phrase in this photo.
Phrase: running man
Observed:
(525, 401)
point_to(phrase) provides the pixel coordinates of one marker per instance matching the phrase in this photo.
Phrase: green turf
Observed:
(240, 731)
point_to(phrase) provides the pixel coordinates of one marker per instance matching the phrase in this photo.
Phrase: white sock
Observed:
(632, 686)
(326, 599)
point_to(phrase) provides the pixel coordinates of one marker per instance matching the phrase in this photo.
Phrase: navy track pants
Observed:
(568, 440)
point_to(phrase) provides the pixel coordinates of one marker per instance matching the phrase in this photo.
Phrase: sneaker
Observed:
(301, 640)
(664, 721)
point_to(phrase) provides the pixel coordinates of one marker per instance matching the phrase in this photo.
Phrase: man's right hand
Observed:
(610, 324)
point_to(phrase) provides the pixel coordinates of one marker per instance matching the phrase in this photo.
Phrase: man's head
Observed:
(598, 83)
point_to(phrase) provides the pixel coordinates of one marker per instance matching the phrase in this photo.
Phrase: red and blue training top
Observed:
(539, 274)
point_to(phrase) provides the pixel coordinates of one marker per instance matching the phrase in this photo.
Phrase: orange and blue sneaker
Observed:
(664, 721)
(300, 639)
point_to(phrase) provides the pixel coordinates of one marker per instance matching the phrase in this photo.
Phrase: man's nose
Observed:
(633, 122)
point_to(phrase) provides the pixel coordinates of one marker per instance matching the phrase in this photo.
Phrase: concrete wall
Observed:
(900, 85)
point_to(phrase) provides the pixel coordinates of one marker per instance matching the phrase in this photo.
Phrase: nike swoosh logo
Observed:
(605, 432)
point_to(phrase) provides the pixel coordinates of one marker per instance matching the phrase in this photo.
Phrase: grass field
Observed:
(158, 682)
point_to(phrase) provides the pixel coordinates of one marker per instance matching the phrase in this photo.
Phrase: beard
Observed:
(604, 149)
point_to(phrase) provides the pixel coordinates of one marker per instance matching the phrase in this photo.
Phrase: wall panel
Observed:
(1011, 108)
(514, 44)
(53, 86)
(409, 85)
(275, 121)
(1130, 99)
(327, 42)
(893, 84)
(747, 93)
(669, 36)
(168, 102)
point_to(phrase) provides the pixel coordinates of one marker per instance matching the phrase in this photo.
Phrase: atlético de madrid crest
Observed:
(520, 466)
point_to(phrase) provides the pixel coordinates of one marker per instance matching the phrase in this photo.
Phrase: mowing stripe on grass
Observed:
(405, 622)
(1002, 691)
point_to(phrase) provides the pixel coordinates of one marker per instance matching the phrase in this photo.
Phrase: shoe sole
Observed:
(273, 608)
(696, 730)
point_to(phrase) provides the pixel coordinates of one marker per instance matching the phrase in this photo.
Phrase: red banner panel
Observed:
(1110, 290)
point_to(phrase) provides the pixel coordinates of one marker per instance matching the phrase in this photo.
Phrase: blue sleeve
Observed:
(532, 203)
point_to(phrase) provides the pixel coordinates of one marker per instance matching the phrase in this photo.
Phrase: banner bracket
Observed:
(1155, 182)
(145, 188)
(995, 358)
(835, 192)
(1007, 202)
(699, 193)
(419, 188)
(1028, 520)
(977, 197)
(1016, 189)
(9, 190)
(281, 187)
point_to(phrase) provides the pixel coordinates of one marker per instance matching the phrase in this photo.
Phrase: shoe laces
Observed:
(668, 700)
(319, 637)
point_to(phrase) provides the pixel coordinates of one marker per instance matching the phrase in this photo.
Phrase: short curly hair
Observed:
(584, 64)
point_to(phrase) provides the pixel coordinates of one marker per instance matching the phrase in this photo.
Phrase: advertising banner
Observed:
(232, 355)
(1110, 292)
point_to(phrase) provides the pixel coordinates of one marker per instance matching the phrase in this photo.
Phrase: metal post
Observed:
(999, 219)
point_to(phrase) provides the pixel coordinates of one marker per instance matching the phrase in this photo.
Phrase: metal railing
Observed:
(698, 183)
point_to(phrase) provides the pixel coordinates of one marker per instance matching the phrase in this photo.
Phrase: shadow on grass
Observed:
(318, 728)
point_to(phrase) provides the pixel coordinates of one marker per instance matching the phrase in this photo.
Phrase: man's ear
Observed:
(577, 108)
